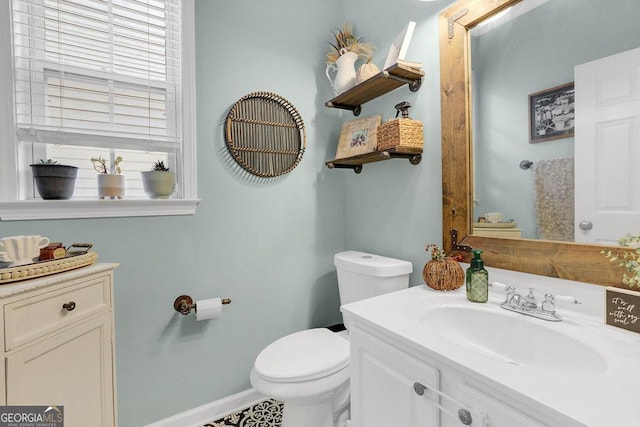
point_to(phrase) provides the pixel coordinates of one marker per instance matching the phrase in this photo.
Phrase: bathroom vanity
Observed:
(429, 358)
(58, 344)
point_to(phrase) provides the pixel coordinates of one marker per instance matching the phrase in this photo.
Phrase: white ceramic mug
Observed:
(494, 216)
(23, 250)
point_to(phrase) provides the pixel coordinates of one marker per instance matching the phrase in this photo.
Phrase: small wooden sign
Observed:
(623, 309)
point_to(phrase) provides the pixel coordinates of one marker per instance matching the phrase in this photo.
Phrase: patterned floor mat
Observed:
(267, 413)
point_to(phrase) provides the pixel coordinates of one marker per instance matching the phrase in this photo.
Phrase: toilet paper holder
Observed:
(184, 304)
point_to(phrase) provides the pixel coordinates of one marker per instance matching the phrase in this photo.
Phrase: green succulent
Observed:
(100, 165)
(159, 166)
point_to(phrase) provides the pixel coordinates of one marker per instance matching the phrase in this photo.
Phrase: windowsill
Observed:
(66, 209)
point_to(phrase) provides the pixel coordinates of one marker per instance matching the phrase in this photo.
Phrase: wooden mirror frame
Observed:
(572, 261)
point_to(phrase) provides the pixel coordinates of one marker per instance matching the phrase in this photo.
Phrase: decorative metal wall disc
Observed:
(265, 134)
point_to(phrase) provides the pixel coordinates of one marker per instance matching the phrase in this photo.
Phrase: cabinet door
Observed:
(497, 413)
(72, 368)
(382, 386)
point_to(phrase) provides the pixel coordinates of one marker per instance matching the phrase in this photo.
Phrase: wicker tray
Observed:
(265, 134)
(494, 224)
(45, 268)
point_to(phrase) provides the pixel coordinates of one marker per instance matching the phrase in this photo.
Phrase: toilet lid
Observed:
(304, 355)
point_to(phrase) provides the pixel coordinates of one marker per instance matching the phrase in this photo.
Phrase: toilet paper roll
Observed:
(208, 309)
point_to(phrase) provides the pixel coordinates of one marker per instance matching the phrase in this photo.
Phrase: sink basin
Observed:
(513, 339)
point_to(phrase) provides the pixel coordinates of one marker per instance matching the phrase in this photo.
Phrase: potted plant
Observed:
(342, 57)
(53, 180)
(629, 260)
(110, 181)
(158, 182)
(346, 41)
(441, 272)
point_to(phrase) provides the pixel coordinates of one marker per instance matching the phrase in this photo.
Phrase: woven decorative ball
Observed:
(443, 275)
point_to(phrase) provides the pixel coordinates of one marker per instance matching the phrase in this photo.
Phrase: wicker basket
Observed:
(443, 275)
(402, 132)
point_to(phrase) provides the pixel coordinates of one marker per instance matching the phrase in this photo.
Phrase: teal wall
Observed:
(534, 52)
(393, 208)
(266, 244)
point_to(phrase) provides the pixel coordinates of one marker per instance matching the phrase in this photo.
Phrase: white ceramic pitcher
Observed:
(345, 69)
(21, 250)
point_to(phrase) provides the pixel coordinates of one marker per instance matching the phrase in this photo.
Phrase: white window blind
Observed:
(98, 73)
(96, 78)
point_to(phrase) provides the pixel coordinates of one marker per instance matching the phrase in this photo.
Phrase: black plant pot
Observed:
(55, 182)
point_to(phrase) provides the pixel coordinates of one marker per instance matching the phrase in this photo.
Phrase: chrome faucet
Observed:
(529, 306)
(530, 300)
(509, 291)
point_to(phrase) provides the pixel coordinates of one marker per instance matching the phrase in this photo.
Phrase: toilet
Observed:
(309, 370)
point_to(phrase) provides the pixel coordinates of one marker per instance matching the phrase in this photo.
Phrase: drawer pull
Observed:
(463, 415)
(69, 306)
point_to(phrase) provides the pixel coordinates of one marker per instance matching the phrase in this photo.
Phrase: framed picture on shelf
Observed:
(400, 45)
(551, 113)
(358, 137)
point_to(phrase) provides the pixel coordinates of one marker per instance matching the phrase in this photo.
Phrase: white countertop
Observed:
(596, 399)
(14, 288)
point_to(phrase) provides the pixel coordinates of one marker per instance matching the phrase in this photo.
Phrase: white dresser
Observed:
(58, 344)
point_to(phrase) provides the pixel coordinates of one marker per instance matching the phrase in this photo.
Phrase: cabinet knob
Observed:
(419, 388)
(69, 306)
(465, 417)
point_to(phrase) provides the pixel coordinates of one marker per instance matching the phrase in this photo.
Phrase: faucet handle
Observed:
(531, 298)
(509, 292)
(499, 285)
(567, 298)
(549, 303)
(503, 287)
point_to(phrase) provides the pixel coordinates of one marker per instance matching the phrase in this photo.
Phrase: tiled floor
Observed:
(267, 413)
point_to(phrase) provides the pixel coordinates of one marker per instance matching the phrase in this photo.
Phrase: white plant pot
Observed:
(111, 186)
(158, 184)
(345, 71)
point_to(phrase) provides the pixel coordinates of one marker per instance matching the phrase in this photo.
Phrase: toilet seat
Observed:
(303, 356)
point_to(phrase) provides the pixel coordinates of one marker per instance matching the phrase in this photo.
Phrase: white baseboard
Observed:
(196, 417)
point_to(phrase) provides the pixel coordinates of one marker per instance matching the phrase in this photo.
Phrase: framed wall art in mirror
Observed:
(552, 113)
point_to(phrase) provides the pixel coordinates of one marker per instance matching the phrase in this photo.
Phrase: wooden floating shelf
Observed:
(413, 154)
(378, 85)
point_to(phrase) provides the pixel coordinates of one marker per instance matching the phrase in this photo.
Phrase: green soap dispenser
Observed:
(477, 279)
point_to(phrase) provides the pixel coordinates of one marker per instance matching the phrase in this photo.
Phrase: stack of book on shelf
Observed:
(415, 65)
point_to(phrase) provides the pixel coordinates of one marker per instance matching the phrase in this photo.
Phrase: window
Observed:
(98, 77)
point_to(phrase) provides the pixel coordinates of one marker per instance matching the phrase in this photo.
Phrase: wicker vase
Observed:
(443, 275)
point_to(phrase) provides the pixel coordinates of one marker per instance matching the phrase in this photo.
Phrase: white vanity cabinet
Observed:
(58, 344)
(382, 385)
(386, 380)
(504, 368)
(496, 413)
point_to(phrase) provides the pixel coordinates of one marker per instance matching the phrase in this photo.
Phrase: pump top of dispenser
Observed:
(403, 108)
(477, 262)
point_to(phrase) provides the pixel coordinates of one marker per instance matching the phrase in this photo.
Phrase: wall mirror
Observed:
(569, 260)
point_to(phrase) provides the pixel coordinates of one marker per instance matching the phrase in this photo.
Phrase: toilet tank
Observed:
(362, 275)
